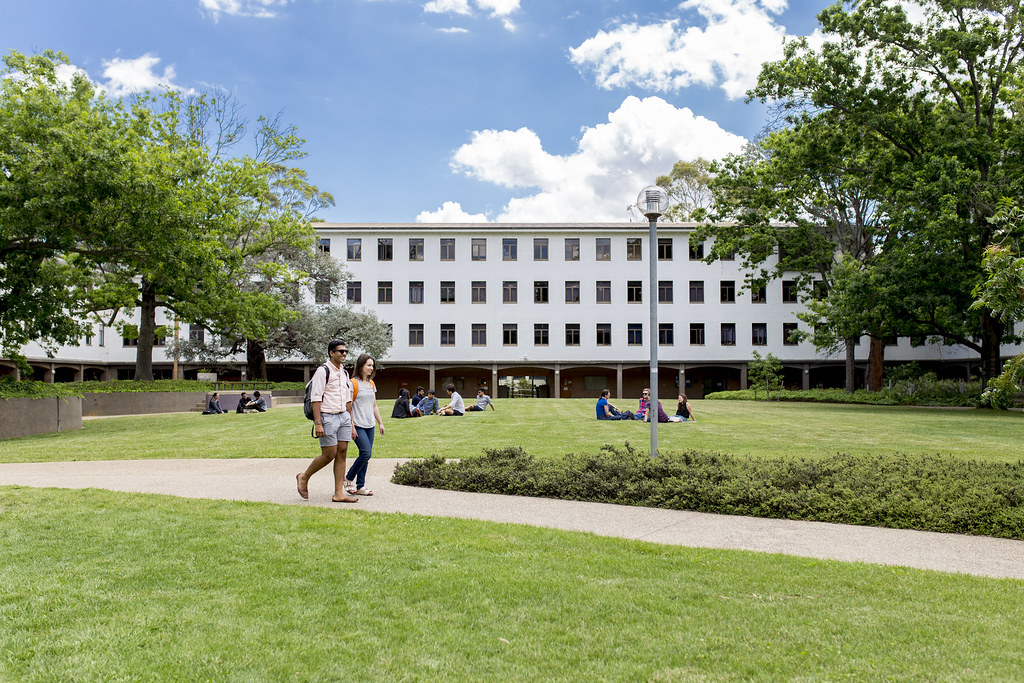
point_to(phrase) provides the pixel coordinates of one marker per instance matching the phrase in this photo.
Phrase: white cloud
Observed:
(728, 51)
(450, 212)
(453, 29)
(498, 9)
(242, 8)
(448, 7)
(127, 76)
(613, 162)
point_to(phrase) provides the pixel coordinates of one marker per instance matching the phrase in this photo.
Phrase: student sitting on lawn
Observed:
(213, 407)
(645, 405)
(243, 401)
(257, 405)
(606, 411)
(684, 412)
(401, 409)
(482, 401)
(415, 399)
(455, 406)
(428, 406)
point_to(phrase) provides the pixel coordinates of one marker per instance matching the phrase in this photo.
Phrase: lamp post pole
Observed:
(652, 334)
(652, 202)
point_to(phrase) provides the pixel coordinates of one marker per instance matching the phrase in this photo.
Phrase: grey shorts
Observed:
(337, 427)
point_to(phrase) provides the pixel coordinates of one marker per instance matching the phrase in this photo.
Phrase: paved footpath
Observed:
(273, 480)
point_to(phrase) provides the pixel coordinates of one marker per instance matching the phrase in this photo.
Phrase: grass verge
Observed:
(110, 586)
(552, 428)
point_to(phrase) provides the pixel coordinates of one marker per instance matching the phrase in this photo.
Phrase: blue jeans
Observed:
(364, 442)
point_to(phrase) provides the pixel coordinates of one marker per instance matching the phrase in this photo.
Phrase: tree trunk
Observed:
(851, 365)
(147, 331)
(256, 359)
(876, 364)
(991, 335)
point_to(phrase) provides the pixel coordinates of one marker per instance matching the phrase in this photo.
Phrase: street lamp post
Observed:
(653, 202)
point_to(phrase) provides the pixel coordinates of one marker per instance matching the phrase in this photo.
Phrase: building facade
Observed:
(551, 310)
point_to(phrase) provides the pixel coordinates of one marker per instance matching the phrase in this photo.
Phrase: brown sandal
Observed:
(346, 499)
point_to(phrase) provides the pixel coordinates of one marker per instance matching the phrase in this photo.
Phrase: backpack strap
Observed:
(355, 389)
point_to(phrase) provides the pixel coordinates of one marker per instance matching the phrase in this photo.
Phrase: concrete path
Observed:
(273, 481)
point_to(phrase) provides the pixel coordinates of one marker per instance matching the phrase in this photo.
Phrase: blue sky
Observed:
(451, 110)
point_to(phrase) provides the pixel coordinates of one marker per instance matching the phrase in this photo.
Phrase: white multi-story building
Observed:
(565, 305)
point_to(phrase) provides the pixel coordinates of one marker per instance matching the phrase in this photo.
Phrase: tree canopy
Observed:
(898, 138)
(108, 207)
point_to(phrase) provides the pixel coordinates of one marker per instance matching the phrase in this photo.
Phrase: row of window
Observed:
(510, 249)
(541, 292)
(603, 334)
(196, 333)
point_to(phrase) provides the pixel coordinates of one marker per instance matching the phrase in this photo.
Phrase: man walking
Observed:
(331, 396)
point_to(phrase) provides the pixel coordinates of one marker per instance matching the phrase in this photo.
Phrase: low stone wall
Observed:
(141, 403)
(26, 416)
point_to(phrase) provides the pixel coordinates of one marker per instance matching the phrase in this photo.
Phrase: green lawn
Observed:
(551, 427)
(109, 586)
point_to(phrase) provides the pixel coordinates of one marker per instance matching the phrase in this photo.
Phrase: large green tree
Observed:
(210, 253)
(106, 208)
(797, 204)
(71, 179)
(937, 98)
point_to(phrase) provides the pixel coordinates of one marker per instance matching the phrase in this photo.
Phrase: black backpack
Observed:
(307, 405)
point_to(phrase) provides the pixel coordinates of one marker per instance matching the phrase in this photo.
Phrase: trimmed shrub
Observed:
(921, 392)
(927, 493)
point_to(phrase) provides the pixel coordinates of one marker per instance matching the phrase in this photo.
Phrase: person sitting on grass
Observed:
(684, 412)
(243, 401)
(415, 399)
(401, 409)
(455, 406)
(428, 406)
(482, 401)
(606, 411)
(213, 406)
(645, 404)
(257, 405)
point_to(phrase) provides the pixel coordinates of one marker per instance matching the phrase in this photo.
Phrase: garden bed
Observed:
(896, 491)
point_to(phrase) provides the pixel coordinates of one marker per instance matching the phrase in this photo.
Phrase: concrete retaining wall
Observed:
(147, 402)
(141, 403)
(25, 416)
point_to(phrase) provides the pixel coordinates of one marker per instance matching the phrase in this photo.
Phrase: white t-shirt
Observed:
(456, 403)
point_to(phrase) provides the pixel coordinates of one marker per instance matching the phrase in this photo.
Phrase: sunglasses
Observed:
(339, 351)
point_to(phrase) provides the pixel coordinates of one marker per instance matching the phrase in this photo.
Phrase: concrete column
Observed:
(493, 392)
(681, 380)
(743, 377)
(558, 382)
(807, 376)
(618, 381)
(305, 374)
(433, 381)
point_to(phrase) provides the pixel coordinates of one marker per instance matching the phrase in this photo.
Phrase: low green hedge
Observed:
(32, 389)
(942, 394)
(928, 493)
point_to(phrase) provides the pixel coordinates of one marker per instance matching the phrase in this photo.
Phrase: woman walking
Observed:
(364, 414)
